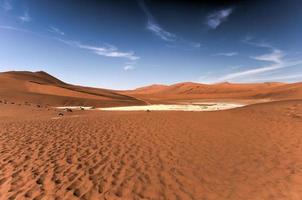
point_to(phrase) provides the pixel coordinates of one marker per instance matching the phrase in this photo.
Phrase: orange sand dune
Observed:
(252, 152)
(42, 88)
(222, 91)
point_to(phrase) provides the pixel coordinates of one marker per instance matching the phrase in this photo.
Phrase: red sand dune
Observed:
(223, 91)
(42, 88)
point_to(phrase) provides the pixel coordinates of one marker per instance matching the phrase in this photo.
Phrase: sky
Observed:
(125, 44)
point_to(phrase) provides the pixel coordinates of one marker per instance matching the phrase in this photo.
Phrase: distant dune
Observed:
(220, 91)
(42, 88)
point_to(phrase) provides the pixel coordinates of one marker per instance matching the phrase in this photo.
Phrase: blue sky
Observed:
(128, 44)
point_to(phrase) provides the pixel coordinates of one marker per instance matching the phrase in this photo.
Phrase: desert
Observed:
(150, 100)
(249, 152)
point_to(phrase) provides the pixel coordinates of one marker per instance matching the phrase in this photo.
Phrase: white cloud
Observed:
(155, 27)
(128, 67)
(17, 29)
(281, 78)
(215, 19)
(163, 34)
(249, 40)
(56, 30)
(6, 5)
(25, 17)
(226, 54)
(160, 32)
(259, 70)
(276, 58)
(107, 51)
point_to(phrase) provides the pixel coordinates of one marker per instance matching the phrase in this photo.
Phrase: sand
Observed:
(188, 91)
(252, 152)
(44, 89)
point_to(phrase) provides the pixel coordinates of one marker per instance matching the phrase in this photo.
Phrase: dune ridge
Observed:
(42, 88)
(269, 91)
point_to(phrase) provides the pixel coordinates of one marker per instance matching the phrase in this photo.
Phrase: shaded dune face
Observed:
(42, 88)
(60, 91)
(252, 152)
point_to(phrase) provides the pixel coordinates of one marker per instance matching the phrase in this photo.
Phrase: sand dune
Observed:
(230, 91)
(252, 152)
(42, 88)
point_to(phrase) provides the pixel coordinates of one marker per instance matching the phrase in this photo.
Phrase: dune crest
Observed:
(221, 91)
(42, 88)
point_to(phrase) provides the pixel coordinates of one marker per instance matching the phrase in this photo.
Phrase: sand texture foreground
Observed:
(252, 152)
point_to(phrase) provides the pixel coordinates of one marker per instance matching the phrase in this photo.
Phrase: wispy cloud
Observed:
(276, 56)
(226, 54)
(55, 30)
(107, 51)
(259, 70)
(250, 40)
(161, 33)
(154, 27)
(25, 17)
(6, 5)
(17, 29)
(292, 77)
(216, 18)
(128, 67)
(276, 59)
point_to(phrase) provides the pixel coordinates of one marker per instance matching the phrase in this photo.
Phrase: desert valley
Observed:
(150, 100)
(250, 152)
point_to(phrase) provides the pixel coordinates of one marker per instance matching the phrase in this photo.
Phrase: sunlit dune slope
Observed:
(189, 90)
(40, 87)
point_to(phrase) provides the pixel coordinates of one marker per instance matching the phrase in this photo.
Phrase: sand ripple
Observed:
(247, 153)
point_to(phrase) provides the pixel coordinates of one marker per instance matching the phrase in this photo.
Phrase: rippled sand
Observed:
(252, 152)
